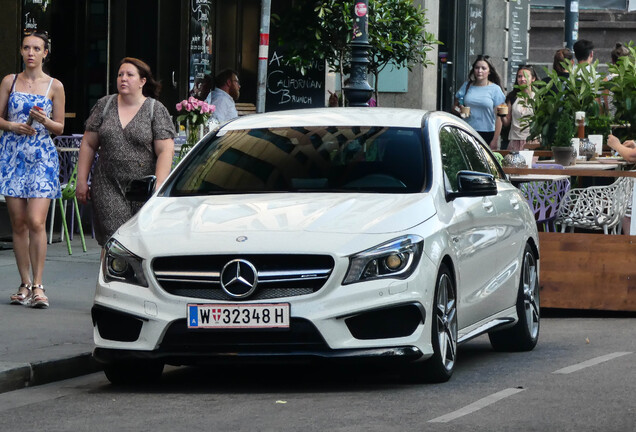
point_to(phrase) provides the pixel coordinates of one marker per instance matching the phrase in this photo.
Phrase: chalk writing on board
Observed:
(517, 38)
(475, 27)
(287, 88)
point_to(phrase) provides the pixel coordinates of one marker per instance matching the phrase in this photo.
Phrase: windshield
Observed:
(313, 159)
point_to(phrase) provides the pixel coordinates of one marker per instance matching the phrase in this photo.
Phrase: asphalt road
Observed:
(581, 377)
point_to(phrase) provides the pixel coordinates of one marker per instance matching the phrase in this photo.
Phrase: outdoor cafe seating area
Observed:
(580, 211)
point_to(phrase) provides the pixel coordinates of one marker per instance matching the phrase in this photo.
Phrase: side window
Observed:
(453, 159)
(480, 159)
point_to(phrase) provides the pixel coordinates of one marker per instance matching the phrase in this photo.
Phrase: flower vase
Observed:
(194, 132)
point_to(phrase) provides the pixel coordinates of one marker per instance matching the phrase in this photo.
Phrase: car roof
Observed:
(350, 116)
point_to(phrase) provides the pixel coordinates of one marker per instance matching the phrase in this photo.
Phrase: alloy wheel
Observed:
(446, 316)
(531, 294)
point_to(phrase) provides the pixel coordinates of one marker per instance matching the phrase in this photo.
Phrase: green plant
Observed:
(555, 102)
(622, 87)
(600, 125)
(564, 131)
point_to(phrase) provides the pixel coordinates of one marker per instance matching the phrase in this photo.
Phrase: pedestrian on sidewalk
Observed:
(225, 95)
(482, 93)
(517, 108)
(134, 136)
(31, 108)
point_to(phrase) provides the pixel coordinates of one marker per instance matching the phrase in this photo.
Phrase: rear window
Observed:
(316, 159)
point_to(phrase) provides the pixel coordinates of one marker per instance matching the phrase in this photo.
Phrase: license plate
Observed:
(219, 316)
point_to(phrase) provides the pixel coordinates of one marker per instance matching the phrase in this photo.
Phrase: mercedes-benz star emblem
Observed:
(239, 278)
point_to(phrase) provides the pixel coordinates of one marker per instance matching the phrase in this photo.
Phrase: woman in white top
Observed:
(516, 109)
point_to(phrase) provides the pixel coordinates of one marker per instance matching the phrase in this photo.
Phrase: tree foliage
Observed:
(397, 35)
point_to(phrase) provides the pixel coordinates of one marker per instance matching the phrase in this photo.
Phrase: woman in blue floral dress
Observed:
(31, 108)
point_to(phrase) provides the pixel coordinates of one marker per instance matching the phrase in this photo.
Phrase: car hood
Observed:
(191, 217)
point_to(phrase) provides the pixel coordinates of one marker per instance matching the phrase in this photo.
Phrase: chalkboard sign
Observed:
(201, 32)
(36, 15)
(287, 88)
(475, 28)
(517, 38)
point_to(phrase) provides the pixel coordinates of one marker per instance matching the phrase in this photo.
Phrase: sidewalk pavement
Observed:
(45, 345)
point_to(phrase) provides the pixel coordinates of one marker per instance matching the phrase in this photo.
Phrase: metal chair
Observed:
(68, 149)
(596, 207)
(544, 198)
(68, 193)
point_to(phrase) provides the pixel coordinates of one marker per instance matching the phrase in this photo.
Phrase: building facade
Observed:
(183, 40)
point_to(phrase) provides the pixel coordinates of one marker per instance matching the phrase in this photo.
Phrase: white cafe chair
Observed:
(596, 207)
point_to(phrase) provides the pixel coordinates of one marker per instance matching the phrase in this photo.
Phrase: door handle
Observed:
(174, 82)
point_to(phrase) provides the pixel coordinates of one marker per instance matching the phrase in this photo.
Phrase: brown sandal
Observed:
(38, 301)
(22, 297)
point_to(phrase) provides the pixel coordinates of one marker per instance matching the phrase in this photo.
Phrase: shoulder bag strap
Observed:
(15, 77)
(152, 109)
(110, 99)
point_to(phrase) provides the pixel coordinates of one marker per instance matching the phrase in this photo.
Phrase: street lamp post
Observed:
(358, 91)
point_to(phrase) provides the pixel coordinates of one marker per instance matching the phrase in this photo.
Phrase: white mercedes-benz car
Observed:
(365, 234)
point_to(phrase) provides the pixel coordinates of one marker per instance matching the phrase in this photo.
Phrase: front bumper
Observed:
(302, 341)
(396, 354)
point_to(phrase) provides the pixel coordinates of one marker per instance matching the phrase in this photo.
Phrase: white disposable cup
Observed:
(527, 155)
(575, 143)
(598, 143)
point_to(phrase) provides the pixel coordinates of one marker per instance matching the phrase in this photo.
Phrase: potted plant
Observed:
(621, 84)
(554, 103)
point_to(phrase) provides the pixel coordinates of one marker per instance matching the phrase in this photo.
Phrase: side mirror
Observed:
(472, 183)
(141, 189)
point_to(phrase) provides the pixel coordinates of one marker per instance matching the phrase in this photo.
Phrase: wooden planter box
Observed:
(588, 271)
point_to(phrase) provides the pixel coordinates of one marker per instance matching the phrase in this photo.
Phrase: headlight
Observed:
(119, 264)
(395, 259)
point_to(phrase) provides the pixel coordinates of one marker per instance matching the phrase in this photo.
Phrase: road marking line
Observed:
(475, 406)
(591, 362)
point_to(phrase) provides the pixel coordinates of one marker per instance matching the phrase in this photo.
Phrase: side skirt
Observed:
(484, 328)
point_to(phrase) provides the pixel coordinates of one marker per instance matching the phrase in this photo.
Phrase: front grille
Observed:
(301, 336)
(279, 275)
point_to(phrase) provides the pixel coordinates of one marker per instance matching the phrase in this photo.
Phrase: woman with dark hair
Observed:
(482, 93)
(562, 55)
(134, 136)
(31, 109)
(619, 51)
(516, 109)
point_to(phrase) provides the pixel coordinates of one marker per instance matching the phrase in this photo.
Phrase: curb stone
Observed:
(15, 376)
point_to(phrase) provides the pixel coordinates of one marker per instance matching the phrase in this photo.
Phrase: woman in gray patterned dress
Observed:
(134, 137)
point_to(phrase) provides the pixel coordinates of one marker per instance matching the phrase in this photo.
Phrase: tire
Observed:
(439, 368)
(523, 336)
(132, 373)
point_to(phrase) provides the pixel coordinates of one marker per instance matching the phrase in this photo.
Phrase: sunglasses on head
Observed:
(36, 33)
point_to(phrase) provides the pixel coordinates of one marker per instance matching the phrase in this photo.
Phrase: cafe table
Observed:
(594, 164)
(520, 178)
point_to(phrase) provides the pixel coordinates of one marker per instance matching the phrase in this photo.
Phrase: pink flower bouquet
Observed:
(194, 111)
